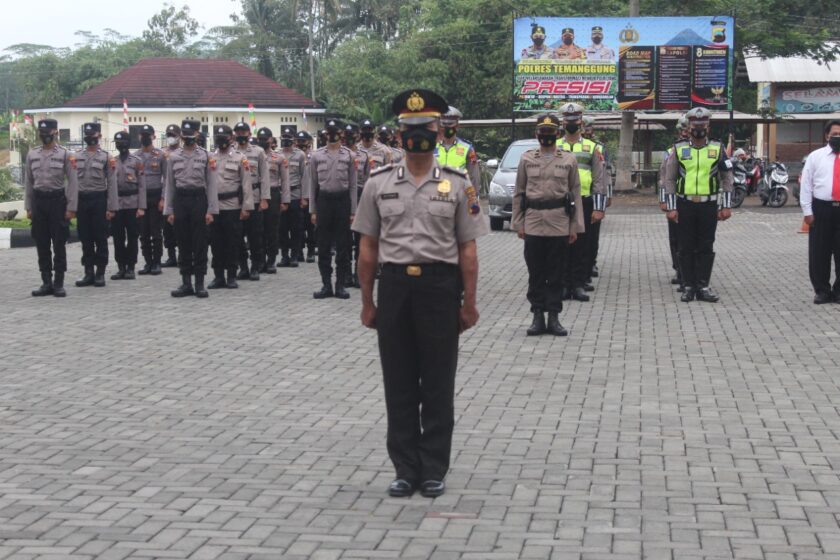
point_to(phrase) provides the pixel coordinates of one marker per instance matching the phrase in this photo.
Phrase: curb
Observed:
(16, 238)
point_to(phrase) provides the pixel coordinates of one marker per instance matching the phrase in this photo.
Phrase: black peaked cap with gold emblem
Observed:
(419, 106)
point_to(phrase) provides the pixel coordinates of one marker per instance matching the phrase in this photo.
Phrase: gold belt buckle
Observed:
(695, 199)
(413, 270)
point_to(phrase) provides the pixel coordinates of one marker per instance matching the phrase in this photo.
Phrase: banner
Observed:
(647, 63)
(820, 99)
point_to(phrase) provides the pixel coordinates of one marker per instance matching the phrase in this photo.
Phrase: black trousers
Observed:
(291, 229)
(126, 231)
(673, 244)
(170, 240)
(579, 265)
(594, 245)
(225, 236)
(50, 229)
(191, 232)
(696, 230)
(271, 226)
(151, 224)
(417, 325)
(252, 230)
(824, 244)
(310, 238)
(546, 258)
(333, 228)
(93, 228)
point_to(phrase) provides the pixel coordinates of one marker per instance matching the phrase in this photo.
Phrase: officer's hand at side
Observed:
(284, 207)
(140, 212)
(244, 215)
(304, 202)
(160, 205)
(572, 237)
(263, 204)
(663, 206)
(314, 219)
(521, 233)
(468, 317)
(69, 215)
(808, 219)
(597, 216)
(208, 219)
(171, 219)
(369, 316)
(724, 214)
(351, 217)
(673, 216)
(109, 215)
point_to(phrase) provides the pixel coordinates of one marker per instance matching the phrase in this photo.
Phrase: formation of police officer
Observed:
(251, 244)
(170, 243)
(131, 191)
(151, 223)
(548, 213)
(419, 221)
(698, 192)
(291, 221)
(279, 199)
(673, 242)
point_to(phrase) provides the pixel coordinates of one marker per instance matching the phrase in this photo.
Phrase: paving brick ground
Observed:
(251, 425)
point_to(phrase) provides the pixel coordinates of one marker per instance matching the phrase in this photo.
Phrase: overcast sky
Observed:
(54, 22)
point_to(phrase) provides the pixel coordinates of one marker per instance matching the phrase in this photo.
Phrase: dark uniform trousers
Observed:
(151, 223)
(696, 228)
(309, 230)
(50, 228)
(271, 226)
(546, 258)
(594, 244)
(291, 230)
(170, 240)
(93, 228)
(417, 326)
(191, 230)
(252, 230)
(579, 265)
(673, 244)
(333, 213)
(225, 236)
(125, 231)
(823, 244)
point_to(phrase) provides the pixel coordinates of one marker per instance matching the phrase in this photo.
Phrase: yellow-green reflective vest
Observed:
(583, 151)
(455, 156)
(698, 168)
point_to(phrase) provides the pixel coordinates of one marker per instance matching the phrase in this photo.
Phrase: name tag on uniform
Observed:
(389, 196)
(442, 199)
(685, 153)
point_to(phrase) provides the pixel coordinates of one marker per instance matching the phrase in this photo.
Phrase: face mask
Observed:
(384, 139)
(597, 39)
(698, 132)
(285, 143)
(46, 138)
(222, 142)
(301, 146)
(242, 139)
(538, 41)
(171, 141)
(571, 128)
(347, 140)
(419, 140)
(264, 144)
(547, 140)
(449, 132)
(568, 40)
(145, 141)
(367, 136)
(333, 137)
(91, 140)
(190, 140)
(834, 142)
(122, 148)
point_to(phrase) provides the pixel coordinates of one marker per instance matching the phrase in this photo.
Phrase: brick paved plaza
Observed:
(252, 425)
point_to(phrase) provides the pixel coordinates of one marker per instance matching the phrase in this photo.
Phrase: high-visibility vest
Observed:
(584, 151)
(454, 156)
(698, 168)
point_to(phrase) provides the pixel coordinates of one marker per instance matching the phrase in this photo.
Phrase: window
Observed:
(63, 135)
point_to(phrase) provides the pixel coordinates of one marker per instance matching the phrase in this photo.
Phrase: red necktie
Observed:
(835, 188)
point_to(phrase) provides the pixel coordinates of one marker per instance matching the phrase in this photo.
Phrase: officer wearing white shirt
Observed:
(820, 200)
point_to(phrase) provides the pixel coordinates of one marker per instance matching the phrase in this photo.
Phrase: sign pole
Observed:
(732, 89)
(513, 80)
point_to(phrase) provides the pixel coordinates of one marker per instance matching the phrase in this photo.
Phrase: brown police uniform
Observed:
(252, 228)
(233, 176)
(292, 224)
(151, 224)
(97, 195)
(279, 193)
(131, 187)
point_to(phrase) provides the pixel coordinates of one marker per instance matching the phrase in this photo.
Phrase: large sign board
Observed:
(817, 99)
(606, 64)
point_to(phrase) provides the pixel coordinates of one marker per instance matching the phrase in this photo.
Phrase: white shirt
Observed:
(817, 179)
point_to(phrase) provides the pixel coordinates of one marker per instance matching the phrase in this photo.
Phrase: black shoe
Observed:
(231, 281)
(300, 258)
(255, 273)
(218, 281)
(432, 488)
(200, 291)
(129, 273)
(156, 271)
(822, 298)
(588, 287)
(185, 289)
(264, 267)
(270, 268)
(46, 288)
(340, 290)
(293, 263)
(58, 285)
(120, 274)
(579, 294)
(594, 273)
(310, 257)
(537, 325)
(326, 291)
(706, 294)
(554, 326)
(681, 288)
(400, 488)
(243, 273)
(284, 262)
(688, 294)
(170, 261)
(147, 269)
(567, 293)
(676, 279)
(99, 277)
(354, 282)
(87, 279)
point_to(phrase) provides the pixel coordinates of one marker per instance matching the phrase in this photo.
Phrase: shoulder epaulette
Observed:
(379, 170)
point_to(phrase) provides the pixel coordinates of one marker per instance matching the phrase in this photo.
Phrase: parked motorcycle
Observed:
(739, 180)
(774, 190)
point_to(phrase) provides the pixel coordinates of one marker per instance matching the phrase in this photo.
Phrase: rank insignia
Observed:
(444, 187)
(472, 201)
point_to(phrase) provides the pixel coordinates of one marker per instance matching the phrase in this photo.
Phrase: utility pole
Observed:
(311, 53)
(624, 163)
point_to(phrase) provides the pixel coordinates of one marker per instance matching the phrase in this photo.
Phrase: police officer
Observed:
(698, 176)
(291, 221)
(131, 187)
(386, 137)
(322, 138)
(252, 228)
(154, 164)
(598, 51)
(280, 197)
(190, 202)
(453, 151)
(420, 221)
(538, 48)
(673, 244)
(568, 50)
(332, 200)
(97, 204)
(379, 154)
(51, 204)
(588, 132)
(547, 214)
(593, 191)
(304, 144)
(236, 197)
(361, 159)
(173, 143)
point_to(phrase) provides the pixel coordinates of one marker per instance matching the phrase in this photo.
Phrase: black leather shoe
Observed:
(400, 488)
(171, 261)
(58, 285)
(707, 294)
(284, 262)
(119, 274)
(681, 288)
(676, 280)
(310, 257)
(554, 327)
(217, 282)
(87, 279)
(185, 289)
(594, 273)
(156, 271)
(293, 263)
(129, 273)
(537, 325)
(243, 274)
(46, 288)
(588, 287)
(99, 277)
(326, 291)
(340, 290)
(147, 269)
(822, 298)
(231, 280)
(255, 273)
(578, 294)
(270, 268)
(688, 294)
(200, 291)
(432, 488)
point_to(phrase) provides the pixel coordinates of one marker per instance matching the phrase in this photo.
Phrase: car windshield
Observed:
(514, 154)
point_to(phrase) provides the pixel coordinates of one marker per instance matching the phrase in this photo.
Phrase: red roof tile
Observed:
(178, 82)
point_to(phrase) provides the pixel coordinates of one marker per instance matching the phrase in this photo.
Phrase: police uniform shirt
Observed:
(397, 155)
(817, 178)
(547, 177)
(131, 183)
(534, 52)
(332, 171)
(154, 164)
(570, 52)
(423, 222)
(258, 163)
(232, 173)
(672, 169)
(278, 175)
(48, 170)
(97, 173)
(298, 172)
(379, 155)
(599, 53)
(191, 170)
(361, 159)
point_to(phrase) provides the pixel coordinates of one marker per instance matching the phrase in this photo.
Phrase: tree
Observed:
(171, 28)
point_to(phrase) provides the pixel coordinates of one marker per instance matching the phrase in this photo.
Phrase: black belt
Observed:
(832, 203)
(338, 195)
(275, 190)
(154, 192)
(190, 192)
(128, 192)
(421, 269)
(50, 194)
(92, 195)
(542, 204)
(228, 195)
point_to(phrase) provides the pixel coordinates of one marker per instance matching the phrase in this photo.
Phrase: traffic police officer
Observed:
(673, 244)
(291, 221)
(332, 200)
(419, 221)
(131, 188)
(173, 143)
(547, 214)
(154, 163)
(97, 204)
(51, 204)
(588, 132)
(454, 152)
(236, 197)
(593, 191)
(252, 228)
(279, 199)
(190, 202)
(538, 49)
(695, 174)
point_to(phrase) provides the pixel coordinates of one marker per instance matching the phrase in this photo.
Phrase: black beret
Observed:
(92, 128)
(48, 123)
(222, 129)
(264, 132)
(190, 127)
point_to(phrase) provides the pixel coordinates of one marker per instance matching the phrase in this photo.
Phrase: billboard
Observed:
(607, 63)
(818, 99)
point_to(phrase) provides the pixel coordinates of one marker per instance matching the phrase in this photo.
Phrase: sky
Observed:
(54, 22)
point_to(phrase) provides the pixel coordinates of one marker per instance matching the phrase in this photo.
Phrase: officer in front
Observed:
(51, 200)
(131, 188)
(698, 176)
(154, 165)
(419, 221)
(252, 228)
(455, 152)
(547, 214)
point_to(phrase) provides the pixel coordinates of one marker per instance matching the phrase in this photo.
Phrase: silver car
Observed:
(503, 183)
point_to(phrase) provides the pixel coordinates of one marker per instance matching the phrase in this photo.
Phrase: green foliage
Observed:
(171, 28)
(8, 190)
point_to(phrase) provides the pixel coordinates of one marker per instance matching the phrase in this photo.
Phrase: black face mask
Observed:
(449, 132)
(568, 40)
(348, 140)
(367, 136)
(547, 140)
(242, 139)
(91, 140)
(834, 142)
(264, 143)
(122, 148)
(333, 137)
(385, 139)
(597, 39)
(285, 143)
(222, 142)
(302, 146)
(699, 132)
(189, 140)
(145, 141)
(419, 140)
(538, 41)
(571, 128)
(46, 138)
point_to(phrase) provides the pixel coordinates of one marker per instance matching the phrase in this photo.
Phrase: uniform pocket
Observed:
(391, 208)
(442, 209)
